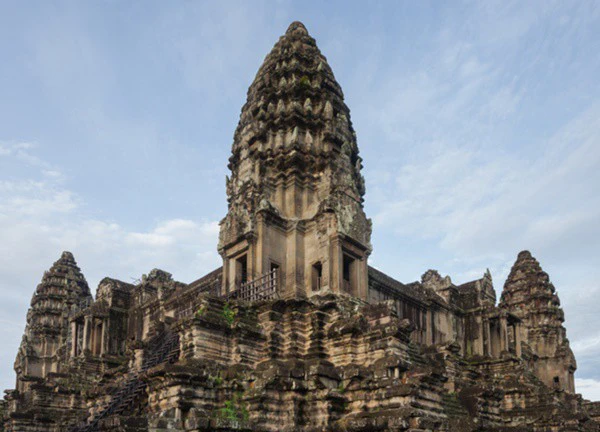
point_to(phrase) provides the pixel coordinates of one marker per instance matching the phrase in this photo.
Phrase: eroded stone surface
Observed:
(296, 191)
(529, 295)
(334, 345)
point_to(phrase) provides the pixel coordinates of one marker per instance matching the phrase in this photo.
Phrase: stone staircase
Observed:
(163, 349)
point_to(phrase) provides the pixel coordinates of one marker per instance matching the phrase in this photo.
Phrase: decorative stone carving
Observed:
(334, 345)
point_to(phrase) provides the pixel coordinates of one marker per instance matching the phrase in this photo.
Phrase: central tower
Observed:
(295, 195)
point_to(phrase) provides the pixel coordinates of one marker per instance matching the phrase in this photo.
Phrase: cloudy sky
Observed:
(478, 123)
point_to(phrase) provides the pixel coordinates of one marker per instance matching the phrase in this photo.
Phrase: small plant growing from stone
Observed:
(304, 81)
(229, 412)
(234, 411)
(217, 380)
(200, 312)
(229, 314)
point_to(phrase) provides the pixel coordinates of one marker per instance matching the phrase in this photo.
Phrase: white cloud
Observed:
(41, 218)
(41, 199)
(52, 174)
(479, 164)
(589, 388)
(588, 344)
(475, 204)
(149, 239)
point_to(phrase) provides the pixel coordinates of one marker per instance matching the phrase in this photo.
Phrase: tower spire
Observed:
(296, 191)
(529, 294)
(63, 289)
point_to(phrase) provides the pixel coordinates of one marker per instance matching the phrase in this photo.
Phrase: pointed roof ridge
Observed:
(525, 258)
(65, 267)
(526, 274)
(524, 254)
(66, 259)
(296, 26)
(67, 255)
(292, 72)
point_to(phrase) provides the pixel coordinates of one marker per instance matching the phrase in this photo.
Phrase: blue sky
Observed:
(478, 123)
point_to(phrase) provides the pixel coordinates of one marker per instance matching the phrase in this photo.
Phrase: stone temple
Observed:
(295, 332)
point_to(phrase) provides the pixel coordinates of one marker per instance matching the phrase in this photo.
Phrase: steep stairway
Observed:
(163, 349)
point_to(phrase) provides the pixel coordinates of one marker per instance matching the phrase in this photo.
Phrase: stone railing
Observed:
(263, 287)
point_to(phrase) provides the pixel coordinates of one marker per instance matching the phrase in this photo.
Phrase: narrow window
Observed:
(241, 270)
(347, 274)
(98, 340)
(317, 276)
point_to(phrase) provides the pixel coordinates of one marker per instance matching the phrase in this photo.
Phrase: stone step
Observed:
(165, 348)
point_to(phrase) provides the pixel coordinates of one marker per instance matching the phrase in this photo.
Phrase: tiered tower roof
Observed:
(296, 92)
(295, 168)
(530, 295)
(294, 124)
(63, 289)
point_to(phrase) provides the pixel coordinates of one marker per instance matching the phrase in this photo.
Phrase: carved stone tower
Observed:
(62, 290)
(529, 294)
(295, 195)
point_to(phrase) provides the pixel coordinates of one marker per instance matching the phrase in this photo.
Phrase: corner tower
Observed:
(529, 294)
(63, 290)
(295, 195)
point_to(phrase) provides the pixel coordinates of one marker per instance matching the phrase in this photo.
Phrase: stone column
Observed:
(104, 337)
(86, 333)
(335, 265)
(503, 334)
(226, 284)
(251, 273)
(429, 319)
(517, 327)
(486, 336)
(480, 341)
(73, 339)
(262, 265)
(93, 336)
(362, 279)
(294, 281)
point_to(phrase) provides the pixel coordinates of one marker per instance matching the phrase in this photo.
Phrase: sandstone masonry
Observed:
(295, 332)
